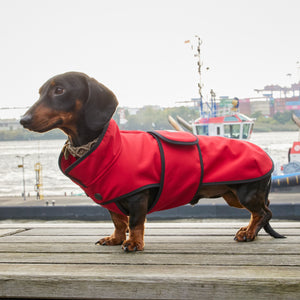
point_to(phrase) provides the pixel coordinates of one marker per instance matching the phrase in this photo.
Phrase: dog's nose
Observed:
(26, 120)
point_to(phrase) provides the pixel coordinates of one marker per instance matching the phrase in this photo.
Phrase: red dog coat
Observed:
(123, 163)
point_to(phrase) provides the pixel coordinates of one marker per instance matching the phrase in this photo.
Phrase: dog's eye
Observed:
(58, 90)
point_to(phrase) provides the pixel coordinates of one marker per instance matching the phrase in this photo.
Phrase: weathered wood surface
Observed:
(180, 261)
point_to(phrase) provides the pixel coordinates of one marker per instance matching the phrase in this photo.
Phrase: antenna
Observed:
(199, 65)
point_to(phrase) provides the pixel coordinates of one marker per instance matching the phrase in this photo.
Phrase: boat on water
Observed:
(288, 177)
(232, 125)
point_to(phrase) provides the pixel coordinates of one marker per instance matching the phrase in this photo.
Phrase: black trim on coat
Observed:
(162, 176)
(145, 187)
(66, 174)
(201, 169)
(244, 180)
(79, 160)
(175, 142)
(239, 181)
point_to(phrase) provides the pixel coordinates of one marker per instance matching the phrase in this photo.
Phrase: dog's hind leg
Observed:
(119, 235)
(232, 200)
(253, 196)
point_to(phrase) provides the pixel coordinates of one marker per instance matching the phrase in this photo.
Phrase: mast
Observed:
(206, 110)
(199, 63)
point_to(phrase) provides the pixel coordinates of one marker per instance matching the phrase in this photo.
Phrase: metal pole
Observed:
(24, 192)
(23, 171)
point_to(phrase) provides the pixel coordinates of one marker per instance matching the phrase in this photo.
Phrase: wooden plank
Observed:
(149, 231)
(4, 232)
(187, 282)
(52, 260)
(214, 224)
(260, 247)
(8, 231)
(173, 271)
(145, 259)
(148, 239)
(11, 231)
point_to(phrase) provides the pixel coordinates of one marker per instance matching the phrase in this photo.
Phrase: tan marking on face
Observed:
(44, 119)
(78, 105)
(52, 83)
(70, 118)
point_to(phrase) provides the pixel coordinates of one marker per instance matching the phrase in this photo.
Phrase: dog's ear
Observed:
(100, 105)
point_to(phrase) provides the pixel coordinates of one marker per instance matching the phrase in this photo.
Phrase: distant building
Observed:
(281, 99)
(274, 99)
(9, 124)
(245, 107)
(262, 106)
(250, 106)
(293, 104)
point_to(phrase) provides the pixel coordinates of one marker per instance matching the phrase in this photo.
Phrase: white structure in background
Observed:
(9, 124)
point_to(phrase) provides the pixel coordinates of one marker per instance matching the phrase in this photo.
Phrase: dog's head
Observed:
(71, 101)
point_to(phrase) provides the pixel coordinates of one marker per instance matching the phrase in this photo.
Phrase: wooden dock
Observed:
(188, 260)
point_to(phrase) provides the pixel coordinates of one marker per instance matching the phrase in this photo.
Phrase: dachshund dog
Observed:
(83, 108)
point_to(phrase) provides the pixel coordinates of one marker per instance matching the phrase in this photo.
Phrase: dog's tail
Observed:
(268, 229)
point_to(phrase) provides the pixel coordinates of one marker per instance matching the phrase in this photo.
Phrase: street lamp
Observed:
(23, 167)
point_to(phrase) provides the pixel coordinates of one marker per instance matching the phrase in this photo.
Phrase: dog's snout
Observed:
(26, 120)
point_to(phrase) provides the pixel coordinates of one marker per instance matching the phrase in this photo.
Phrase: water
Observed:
(55, 183)
(276, 144)
(45, 152)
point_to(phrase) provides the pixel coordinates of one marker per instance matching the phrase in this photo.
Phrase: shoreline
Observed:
(259, 127)
(58, 200)
(73, 200)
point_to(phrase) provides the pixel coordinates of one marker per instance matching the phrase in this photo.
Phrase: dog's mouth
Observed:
(43, 126)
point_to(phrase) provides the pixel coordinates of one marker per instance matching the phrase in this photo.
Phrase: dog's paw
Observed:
(244, 235)
(109, 241)
(131, 245)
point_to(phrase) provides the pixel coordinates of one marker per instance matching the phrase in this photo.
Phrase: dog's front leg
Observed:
(119, 235)
(138, 206)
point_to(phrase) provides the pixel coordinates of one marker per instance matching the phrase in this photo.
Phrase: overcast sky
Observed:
(137, 47)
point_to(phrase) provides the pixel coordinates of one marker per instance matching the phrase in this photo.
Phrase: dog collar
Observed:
(79, 151)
